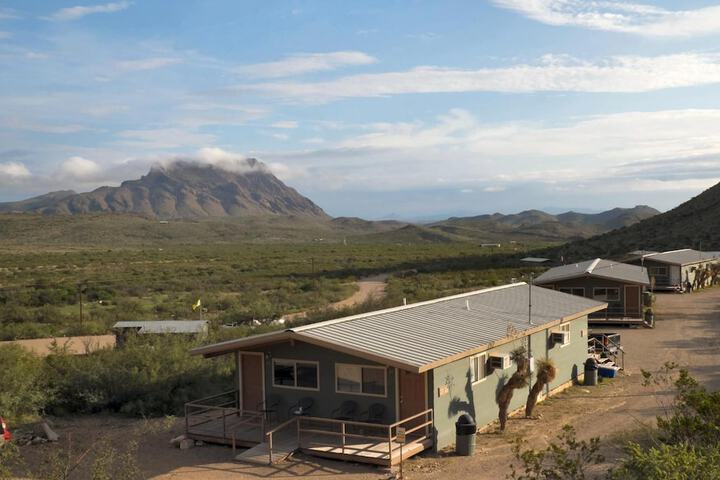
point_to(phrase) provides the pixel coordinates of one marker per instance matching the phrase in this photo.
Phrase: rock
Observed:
(49, 434)
(186, 443)
(37, 440)
(199, 443)
(176, 441)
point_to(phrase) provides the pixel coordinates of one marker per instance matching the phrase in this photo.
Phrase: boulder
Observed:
(49, 433)
(187, 443)
(176, 441)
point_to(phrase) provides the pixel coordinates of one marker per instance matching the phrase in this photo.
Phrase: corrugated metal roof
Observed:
(685, 256)
(423, 335)
(597, 268)
(165, 326)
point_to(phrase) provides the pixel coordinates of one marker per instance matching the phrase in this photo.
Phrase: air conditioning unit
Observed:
(560, 337)
(499, 362)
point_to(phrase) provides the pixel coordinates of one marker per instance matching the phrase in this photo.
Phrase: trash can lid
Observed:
(465, 419)
(591, 362)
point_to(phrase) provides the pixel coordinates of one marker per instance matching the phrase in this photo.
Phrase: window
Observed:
(478, 368)
(295, 374)
(360, 379)
(577, 291)
(607, 294)
(658, 271)
(565, 327)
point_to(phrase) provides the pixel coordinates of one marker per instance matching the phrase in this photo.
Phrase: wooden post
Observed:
(390, 446)
(233, 443)
(222, 412)
(342, 425)
(298, 424)
(187, 420)
(270, 447)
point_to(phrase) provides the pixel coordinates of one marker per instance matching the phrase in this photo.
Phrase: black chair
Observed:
(346, 411)
(375, 413)
(269, 407)
(301, 408)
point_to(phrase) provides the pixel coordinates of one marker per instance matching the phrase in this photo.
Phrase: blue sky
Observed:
(373, 108)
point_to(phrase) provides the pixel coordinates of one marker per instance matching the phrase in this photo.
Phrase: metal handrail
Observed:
(604, 349)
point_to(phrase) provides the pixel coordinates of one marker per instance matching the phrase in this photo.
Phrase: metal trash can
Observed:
(649, 318)
(465, 431)
(591, 372)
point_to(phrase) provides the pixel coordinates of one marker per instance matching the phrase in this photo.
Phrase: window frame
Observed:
(565, 327)
(295, 362)
(605, 298)
(571, 290)
(361, 366)
(653, 271)
(473, 379)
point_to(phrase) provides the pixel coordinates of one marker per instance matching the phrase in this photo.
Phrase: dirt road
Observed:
(687, 332)
(367, 288)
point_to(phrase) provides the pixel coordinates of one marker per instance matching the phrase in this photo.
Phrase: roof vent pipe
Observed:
(404, 301)
(467, 304)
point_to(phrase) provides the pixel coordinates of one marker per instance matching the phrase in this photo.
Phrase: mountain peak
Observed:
(231, 187)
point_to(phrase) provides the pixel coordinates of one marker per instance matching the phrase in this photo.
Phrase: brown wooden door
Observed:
(411, 396)
(632, 301)
(251, 388)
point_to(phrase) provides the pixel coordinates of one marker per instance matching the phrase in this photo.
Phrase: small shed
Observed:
(682, 270)
(146, 327)
(619, 284)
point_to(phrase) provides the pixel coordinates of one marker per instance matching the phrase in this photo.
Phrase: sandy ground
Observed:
(368, 288)
(686, 333)
(74, 345)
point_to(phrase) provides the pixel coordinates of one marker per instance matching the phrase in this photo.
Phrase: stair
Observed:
(260, 453)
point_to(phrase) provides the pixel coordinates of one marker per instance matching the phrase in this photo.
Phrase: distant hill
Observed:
(534, 225)
(182, 190)
(693, 224)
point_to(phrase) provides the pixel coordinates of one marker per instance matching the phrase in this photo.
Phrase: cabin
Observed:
(158, 327)
(346, 388)
(680, 270)
(620, 285)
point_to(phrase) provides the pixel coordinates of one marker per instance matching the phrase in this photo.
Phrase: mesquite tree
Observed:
(546, 372)
(518, 379)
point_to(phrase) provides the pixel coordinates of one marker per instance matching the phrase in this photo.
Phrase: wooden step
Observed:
(260, 454)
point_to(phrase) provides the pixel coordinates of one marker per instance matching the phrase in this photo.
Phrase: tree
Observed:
(518, 379)
(546, 372)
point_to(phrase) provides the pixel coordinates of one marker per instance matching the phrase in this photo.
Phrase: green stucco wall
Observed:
(479, 400)
(325, 399)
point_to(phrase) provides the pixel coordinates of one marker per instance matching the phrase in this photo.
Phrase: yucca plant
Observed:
(546, 372)
(518, 379)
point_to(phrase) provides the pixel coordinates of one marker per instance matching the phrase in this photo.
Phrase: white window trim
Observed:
(485, 368)
(362, 394)
(565, 327)
(295, 362)
(560, 289)
(606, 289)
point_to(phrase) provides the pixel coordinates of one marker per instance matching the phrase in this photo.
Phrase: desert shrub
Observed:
(147, 376)
(22, 392)
(565, 459)
(669, 462)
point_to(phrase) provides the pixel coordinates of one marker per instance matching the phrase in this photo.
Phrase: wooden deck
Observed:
(220, 421)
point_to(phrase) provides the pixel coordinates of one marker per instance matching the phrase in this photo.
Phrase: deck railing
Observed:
(220, 416)
(353, 437)
(605, 346)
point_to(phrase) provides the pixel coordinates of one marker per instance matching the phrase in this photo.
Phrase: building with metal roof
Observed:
(157, 327)
(433, 360)
(681, 270)
(163, 326)
(621, 285)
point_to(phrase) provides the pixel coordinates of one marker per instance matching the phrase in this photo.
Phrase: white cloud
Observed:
(7, 14)
(616, 16)
(11, 172)
(146, 64)
(552, 73)
(673, 150)
(79, 168)
(165, 138)
(305, 63)
(74, 13)
(288, 124)
(280, 136)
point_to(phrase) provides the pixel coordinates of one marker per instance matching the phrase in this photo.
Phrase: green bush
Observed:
(22, 386)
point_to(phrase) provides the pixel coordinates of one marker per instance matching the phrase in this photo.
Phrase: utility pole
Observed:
(530, 322)
(80, 292)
